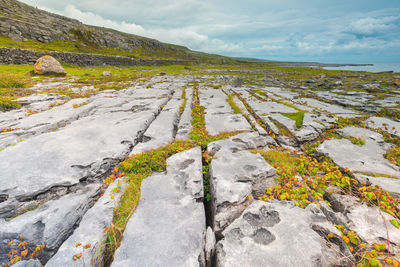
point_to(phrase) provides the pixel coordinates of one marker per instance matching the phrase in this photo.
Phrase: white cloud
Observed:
(370, 25)
(187, 36)
(97, 20)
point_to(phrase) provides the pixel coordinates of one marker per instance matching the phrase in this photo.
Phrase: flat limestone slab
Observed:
(368, 158)
(90, 231)
(270, 234)
(185, 125)
(162, 130)
(335, 109)
(219, 116)
(50, 224)
(389, 125)
(168, 227)
(235, 175)
(82, 149)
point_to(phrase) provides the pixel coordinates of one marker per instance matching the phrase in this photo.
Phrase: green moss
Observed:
(7, 103)
(282, 129)
(298, 117)
(393, 155)
(357, 141)
(233, 105)
(390, 113)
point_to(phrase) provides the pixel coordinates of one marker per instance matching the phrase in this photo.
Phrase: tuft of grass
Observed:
(7, 103)
(233, 105)
(183, 105)
(390, 113)
(282, 158)
(393, 155)
(12, 81)
(357, 141)
(298, 117)
(282, 129)
(357, 122)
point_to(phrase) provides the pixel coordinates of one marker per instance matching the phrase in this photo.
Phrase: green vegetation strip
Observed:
(233, 105)
(298, 117)
(138, 167)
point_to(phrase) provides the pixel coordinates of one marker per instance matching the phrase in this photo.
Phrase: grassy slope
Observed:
(172, 52)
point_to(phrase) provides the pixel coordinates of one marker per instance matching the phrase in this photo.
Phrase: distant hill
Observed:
(27, 27)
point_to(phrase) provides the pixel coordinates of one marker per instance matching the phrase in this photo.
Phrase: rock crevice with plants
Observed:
(187, 166)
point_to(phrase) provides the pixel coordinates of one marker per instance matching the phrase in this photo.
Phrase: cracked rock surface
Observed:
(213, 205)
(170, 216)
(267, 229)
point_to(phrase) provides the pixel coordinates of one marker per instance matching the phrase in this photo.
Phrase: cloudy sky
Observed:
(288, 30)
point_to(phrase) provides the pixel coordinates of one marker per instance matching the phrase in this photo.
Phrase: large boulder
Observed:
(48, 65)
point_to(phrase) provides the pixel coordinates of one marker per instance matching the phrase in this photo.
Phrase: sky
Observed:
(336, 31)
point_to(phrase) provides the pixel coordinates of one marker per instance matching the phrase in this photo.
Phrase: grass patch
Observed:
(280, 158)
(390, 113)
(357, 141)
(357, 122)
(183, 105)
(233, 105)
(282, 129)
(298, 117)
(12, 81)
(393, 155)
(7, 103)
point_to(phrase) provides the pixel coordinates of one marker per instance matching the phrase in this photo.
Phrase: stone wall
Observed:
(24, 56)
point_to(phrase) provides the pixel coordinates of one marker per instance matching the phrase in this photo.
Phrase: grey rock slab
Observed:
(162, 130)
(367, 158)
(369, 223)
(235, 175)
(168, 226)
(391, 185)
(86, 148)
(335, 109)
(219, 116)
(270, 125)
(185, 125)
(90, 231)
(253, 121)
(46, 97)
(262, 108)
(51, 223)
(209, 247)
(28, 263)
(50, 120)
(279, 234)
(388, 102)
(305, 133)
(282, 92)
(386, 124)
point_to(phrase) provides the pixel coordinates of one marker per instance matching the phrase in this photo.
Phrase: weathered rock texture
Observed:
(48, 65)
(21, 22)
(170, 216)
(53, 163)
(279, 234)
(236, 175)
